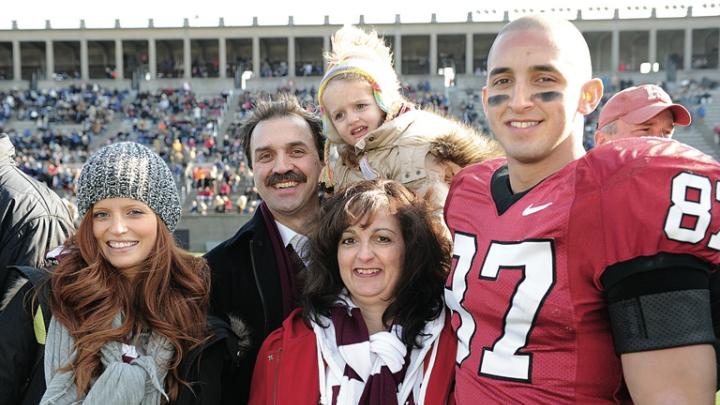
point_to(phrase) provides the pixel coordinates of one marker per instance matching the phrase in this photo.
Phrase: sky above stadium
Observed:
(135, 13)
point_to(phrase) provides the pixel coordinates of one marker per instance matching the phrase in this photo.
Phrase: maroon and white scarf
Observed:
(356, 368)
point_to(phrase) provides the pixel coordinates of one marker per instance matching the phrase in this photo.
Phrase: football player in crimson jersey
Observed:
(578, 278)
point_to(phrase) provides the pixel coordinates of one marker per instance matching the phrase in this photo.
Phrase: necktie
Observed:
(295, 260)
(295, 273)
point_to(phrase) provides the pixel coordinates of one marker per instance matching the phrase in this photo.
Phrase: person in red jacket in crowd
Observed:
(373, 327)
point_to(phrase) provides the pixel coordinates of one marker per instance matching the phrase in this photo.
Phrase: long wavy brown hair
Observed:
(170, 298)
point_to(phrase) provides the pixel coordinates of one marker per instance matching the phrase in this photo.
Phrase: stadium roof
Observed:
(35, 14)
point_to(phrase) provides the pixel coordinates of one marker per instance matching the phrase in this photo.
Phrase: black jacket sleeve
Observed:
(18, 349)
(205, 378)
(211, 369)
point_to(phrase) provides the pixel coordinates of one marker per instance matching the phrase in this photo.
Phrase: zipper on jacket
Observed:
(275, 357)
(260, 292)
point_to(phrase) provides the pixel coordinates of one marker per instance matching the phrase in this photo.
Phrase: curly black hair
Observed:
(418, 295)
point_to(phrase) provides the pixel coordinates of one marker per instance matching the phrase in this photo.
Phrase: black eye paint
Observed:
(547, 96)
(497, 100)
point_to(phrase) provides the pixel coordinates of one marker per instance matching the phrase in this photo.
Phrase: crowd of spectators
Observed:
(53, 130)
(185, 129)
(201, 68)
(53, 157)
(87, 104)
(273, 68)
(308, 69)
(177, 123)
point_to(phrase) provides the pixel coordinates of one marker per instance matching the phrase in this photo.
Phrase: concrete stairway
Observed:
(698, 136)
(229, 114)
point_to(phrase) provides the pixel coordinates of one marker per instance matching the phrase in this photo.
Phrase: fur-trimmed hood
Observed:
(398, 150)
(12, 292)
(464, 145)
(243, 333)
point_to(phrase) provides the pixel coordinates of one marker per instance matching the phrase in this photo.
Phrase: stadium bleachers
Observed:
(191, 117)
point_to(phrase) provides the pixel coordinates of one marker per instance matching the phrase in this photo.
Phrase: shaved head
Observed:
(539, 88)
(561, 34)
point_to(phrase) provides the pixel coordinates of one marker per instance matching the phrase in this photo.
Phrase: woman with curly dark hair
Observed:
(373, 328)
(128, 306)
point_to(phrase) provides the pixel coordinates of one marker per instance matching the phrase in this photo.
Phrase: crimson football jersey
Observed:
(525, 289)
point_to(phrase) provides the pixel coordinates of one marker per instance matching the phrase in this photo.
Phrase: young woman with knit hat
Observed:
(129, 306)
(380, 134)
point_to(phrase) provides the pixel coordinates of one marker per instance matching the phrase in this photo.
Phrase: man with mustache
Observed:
(255, 282)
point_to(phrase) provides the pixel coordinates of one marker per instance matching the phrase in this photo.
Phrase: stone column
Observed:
(615, 51)
(291, 56)
(119, 67)
(187, 62)
(469, 54)
(433, 55)
(256, 56)
(652, 46)
(398, 53)
(687, 59)
(84, 63)
(222, 57)
(152, 58)
(17, 60)
(49, 60)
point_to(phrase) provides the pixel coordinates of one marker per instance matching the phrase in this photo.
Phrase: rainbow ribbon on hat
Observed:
(361, 68)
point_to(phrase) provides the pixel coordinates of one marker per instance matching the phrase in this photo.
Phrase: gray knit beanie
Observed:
(129, 170)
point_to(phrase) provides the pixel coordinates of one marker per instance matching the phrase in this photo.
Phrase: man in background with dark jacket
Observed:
(255, 273)
(33, 219)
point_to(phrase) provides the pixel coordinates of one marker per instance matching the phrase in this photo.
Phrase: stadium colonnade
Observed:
(647, 49)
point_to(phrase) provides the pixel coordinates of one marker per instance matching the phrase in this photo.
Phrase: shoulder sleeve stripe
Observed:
(619, 271)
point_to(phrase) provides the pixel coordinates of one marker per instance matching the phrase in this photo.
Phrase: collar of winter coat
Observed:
(425, 127)
(7, 150)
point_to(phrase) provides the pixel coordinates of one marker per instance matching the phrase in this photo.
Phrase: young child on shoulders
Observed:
(377, 133)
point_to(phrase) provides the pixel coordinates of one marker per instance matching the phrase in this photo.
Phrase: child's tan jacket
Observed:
(420, 149)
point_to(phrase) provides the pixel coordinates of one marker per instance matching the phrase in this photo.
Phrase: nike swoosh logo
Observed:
(531, 210)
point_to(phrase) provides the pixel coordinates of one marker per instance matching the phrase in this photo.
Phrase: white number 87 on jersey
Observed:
(688, 220)
(692, 200)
